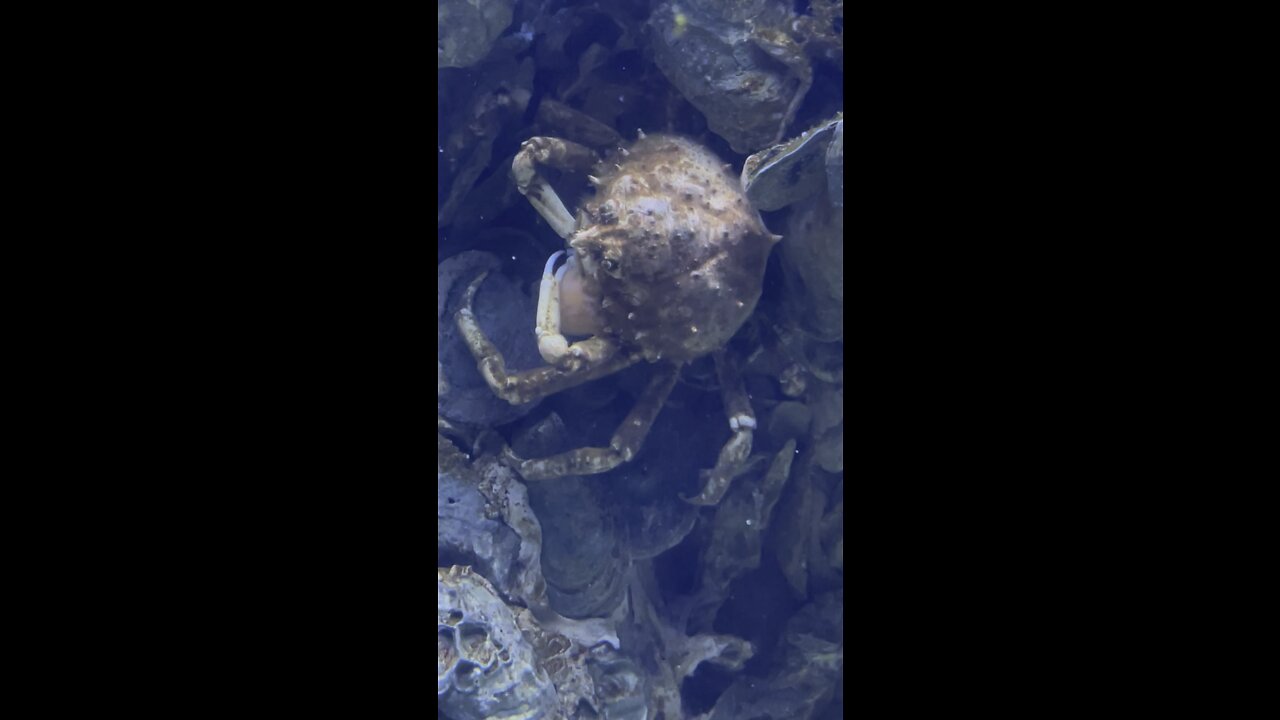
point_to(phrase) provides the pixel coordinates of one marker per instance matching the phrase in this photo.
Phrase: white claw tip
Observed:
(551, 262)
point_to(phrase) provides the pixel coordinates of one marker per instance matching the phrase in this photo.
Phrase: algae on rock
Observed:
(466, 29)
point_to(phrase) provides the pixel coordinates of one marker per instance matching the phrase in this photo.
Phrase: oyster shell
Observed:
(484, 666)
(796, 169)
(807, 174)
(735, 63)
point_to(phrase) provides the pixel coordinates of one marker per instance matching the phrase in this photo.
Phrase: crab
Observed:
(664, 264)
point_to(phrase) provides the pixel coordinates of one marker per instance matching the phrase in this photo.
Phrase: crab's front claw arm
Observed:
(552, 152)
(599, 357)
(552, 345)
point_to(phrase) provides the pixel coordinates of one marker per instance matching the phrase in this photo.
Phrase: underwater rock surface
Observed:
(466, 536)
(484, 665)
(466, 29)
(717, 55)
(806, 174)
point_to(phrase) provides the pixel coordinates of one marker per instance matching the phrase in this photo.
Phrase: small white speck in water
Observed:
(748, 522)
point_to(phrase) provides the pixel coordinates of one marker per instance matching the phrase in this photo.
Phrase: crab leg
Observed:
(552, 152)
(742, 423)
(626, 441)
(528, 385)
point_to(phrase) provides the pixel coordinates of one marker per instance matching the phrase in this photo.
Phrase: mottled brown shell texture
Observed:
(675, 250)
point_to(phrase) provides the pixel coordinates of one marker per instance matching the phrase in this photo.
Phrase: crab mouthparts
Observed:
(579, 304)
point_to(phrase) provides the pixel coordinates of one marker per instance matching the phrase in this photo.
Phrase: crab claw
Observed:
(552, 345)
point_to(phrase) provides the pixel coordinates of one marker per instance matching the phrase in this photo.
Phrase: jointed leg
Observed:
(742, 421)
(527, 385)
(552, 152)
(626, 441)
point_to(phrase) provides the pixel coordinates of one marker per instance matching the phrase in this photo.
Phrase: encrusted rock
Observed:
(466, 29)
(735, 63)
(484, 666)
(510, 501)
(807, 174)
(465, 534)
(796, 169)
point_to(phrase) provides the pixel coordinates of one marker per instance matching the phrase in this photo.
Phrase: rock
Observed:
(827, 403)
(796, 169)
(712, 53)
(797, 516)
(789, 420)
(828, 450)
(835, 167)
(484, 666)
(813, 267)
(464, 534)
(466, 29)
(807, 174)
(582, 559)
(823, 26)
